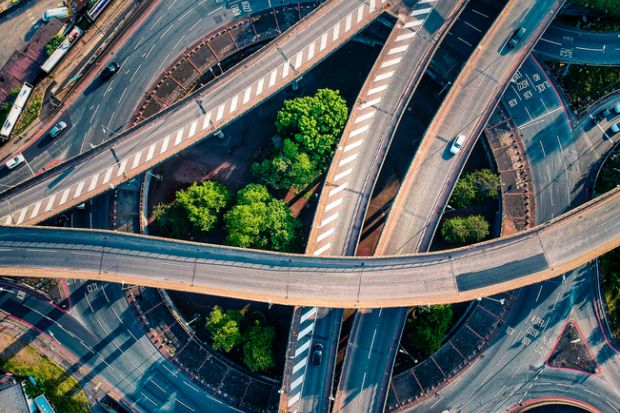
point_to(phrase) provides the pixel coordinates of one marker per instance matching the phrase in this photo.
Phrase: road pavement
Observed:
(443, 277)
(425, 191)
(572, 45)
(104, 109)
(103, 334)
(191, 119)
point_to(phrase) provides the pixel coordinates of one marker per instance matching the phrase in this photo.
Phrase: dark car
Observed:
(110, 70)
(317, 354)
(516, 37)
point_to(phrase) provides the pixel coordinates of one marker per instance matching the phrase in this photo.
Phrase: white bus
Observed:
(16, 110)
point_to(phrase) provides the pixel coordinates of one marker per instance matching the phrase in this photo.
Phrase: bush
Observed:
(473, 187)
(309, 129)
(30, 113)
(460, 230)
(610, 268)
(53, 44)
(428, 326)
(258, 220)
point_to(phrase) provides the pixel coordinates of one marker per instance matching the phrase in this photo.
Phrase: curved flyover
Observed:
(450, 276)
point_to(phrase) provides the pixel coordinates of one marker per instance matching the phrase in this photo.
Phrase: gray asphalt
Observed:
(103, 334)
(103, 110)
(569, 241)
(571, 45)
(420, 202)
(187, 122)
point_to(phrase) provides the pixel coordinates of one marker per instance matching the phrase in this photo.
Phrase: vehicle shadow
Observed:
(96, 84)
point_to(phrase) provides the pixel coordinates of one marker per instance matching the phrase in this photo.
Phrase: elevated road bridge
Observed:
(192, 119)
(462, 274)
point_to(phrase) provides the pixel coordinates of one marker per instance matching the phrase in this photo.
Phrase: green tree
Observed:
(53, 44)
(258, 220)
(289, 169)
(428, 326)
(610, 268)
(224, 328)
(487, 184)
(460, 230)
(476, 186)
(608, 7)
(196, 208)
(257, 347)
(309, 129)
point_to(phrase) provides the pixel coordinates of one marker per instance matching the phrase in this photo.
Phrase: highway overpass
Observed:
(449, 276)
(192, 119)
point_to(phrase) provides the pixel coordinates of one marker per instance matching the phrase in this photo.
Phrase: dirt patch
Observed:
(572, 352)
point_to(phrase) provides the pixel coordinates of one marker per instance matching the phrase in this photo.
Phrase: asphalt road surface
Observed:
(450, 276)
(190, 120)
(425, 191)
(104, 109)
(571, 45)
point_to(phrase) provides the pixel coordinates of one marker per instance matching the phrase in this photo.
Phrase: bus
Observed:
(62, 49)
(16, 110)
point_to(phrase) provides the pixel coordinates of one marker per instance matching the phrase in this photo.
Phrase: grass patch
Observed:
(584, 85)
(61, 389)
(610, 263)
(29, 114)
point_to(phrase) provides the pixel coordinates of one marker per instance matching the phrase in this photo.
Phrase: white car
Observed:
(615, 128)
(457, 143)
(13, 162)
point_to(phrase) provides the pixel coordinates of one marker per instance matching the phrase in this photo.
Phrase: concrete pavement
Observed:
(443, 277)
(572, 45)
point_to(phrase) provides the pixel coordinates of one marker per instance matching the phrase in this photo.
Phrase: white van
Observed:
(59, 13)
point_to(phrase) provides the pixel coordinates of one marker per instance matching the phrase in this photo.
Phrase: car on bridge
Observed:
(457, 143)
(516, 37)
(317, 354)
(110, 70)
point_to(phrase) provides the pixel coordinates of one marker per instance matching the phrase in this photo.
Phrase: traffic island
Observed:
(571, 352)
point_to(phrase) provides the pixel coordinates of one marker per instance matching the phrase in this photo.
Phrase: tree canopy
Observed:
(428, 326)
(309, 129)
(475, 187)
(258, 220)
(459, 230)
(224, 327)
(196, 208)
(257, 346)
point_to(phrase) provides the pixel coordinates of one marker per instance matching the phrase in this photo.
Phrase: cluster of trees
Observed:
(475, 187)
(461, 230)
(233, 328)
(257, 220)
(427, 326)
(308, 129)
(608, 7)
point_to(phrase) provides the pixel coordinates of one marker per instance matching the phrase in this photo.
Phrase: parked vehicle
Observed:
(516, 37)
(317, 354)
(14, 162)
(110, 70)
(59, 13)
(615, 128)
(457, 143)
(55, 131)
(617, 108)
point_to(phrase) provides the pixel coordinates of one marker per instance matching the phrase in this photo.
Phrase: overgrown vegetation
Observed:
(53, 44)
(608, 178)
(308, 130)
(427, 326)
(61, 389)
(461, 230)
(5, 108)
(583, 85)
(606, 7)
(475, 187)
(30, 112)
(231, 328)
(258, 220)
